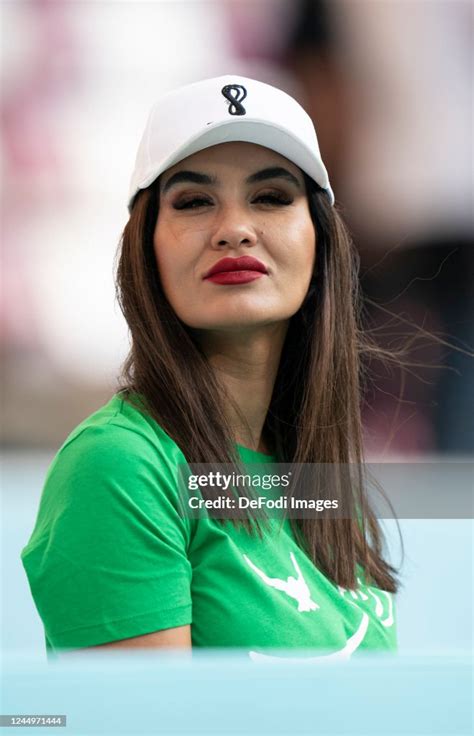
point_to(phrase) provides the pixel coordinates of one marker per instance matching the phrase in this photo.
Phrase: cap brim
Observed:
(260, 132)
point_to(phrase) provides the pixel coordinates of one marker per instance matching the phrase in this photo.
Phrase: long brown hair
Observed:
(314, 414)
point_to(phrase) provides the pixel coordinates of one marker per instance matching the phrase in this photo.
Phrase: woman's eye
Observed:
(191, 204)
(273, 198)
(268, 198)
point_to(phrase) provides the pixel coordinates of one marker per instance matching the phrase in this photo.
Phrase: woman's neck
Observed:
(246, 365)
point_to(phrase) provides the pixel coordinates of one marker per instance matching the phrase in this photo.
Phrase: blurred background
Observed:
(389, 85)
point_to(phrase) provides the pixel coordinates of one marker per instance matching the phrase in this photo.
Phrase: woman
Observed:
(238, 282)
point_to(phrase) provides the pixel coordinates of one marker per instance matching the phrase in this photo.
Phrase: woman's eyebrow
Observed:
(196, 177)
(273, 172)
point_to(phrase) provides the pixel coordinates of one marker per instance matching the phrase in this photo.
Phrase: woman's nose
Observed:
(233, 228)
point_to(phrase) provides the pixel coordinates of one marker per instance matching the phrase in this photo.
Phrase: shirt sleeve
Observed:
(107, 559)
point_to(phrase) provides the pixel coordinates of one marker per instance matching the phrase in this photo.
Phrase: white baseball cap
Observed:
(222, 109)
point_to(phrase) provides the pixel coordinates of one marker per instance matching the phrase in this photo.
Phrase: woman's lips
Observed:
(242, 263)
(234, 277)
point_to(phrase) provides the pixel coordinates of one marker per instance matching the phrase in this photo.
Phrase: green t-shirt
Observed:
(112, 556)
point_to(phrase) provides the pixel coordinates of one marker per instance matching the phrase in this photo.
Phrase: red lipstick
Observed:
(236, 270)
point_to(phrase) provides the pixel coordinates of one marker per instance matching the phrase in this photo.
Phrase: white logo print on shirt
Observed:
(296, 588)
(388, 621)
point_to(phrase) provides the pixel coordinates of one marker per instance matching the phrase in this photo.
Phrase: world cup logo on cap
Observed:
(235, 94)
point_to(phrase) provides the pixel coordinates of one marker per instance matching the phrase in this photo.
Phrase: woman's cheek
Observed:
(168, 277)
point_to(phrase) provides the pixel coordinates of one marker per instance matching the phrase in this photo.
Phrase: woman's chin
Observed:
(241, 322)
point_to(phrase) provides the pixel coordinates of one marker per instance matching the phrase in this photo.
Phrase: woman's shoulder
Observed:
(115, 460)
(121, 426)
(114, 446)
